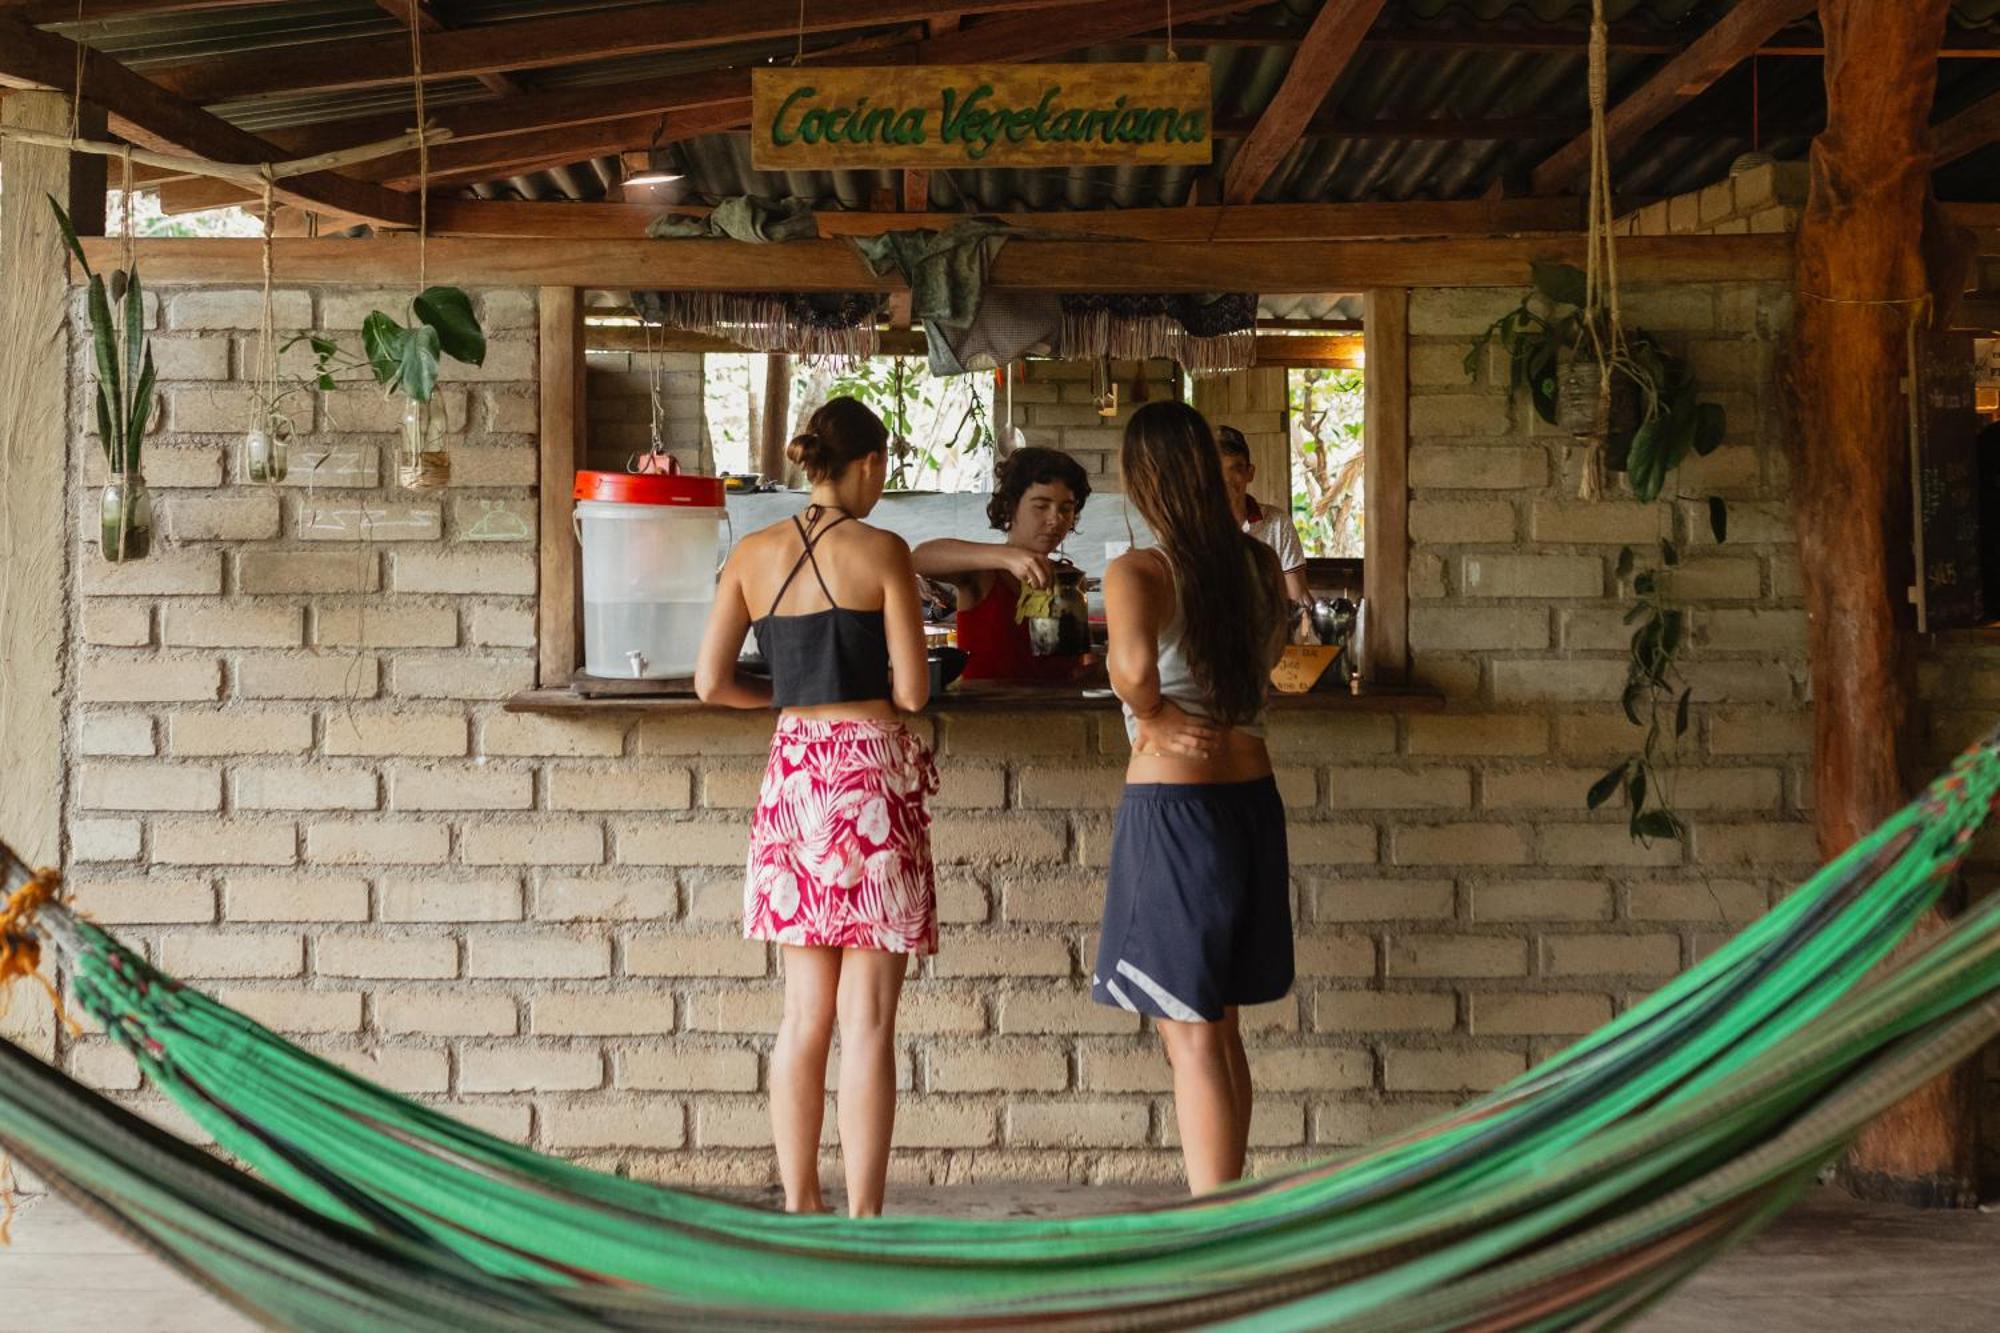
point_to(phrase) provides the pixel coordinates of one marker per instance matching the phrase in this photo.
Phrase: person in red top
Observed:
(1037, 496)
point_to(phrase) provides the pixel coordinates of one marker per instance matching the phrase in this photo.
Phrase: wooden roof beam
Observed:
(535, 43)
(420, 13)
(1258, 223)
(1734, 38)
(142, 109)
(1050, 265)
(1967, 132)
(1328, 46)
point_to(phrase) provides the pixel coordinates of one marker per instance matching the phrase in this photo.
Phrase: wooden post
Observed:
(34, 452)
(1859, 285)
(564, 445)
(1385, 482)
(776, 425)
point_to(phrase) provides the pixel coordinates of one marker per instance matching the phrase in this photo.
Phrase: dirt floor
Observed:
(1830, 1266)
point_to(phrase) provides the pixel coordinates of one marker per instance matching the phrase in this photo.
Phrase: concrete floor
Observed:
(1830, 1266)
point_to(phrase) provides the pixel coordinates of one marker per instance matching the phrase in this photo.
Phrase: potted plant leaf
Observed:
(125, 397)
(405, 358)
(1619, 388)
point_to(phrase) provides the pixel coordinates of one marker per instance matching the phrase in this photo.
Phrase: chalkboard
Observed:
(1950, 591)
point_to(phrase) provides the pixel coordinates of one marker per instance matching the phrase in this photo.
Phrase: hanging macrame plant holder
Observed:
(124, 401)
(267, 439)
(1602, 412)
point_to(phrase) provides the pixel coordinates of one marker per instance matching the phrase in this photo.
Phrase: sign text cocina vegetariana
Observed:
(980, 115)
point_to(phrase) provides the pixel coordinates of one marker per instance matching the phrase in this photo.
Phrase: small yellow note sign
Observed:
(1154, 114)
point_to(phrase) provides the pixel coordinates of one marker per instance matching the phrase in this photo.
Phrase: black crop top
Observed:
(835, 656)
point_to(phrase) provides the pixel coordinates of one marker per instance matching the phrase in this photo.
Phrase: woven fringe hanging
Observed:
(841, 326)
(1205, 337)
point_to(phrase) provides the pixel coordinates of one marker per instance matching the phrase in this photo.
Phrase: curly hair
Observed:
(1033, 466)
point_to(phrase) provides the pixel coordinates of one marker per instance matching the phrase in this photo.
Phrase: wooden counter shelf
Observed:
(979, 698)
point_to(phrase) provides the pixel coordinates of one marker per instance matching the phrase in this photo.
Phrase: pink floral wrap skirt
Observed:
(840, 846)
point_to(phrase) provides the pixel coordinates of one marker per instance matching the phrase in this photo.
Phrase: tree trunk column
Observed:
(1859, 283)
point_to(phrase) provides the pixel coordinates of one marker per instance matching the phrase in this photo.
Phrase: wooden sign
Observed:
(806, 119)
(1950, 584)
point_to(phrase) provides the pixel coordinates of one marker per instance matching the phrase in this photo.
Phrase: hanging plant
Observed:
(125, 397)
(405, 359)
(1649, 419)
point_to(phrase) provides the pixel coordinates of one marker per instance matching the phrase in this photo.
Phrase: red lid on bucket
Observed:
(649, 488)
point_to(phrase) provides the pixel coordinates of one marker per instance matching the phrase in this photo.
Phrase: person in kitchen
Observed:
(1038, 495)
(1273, 527)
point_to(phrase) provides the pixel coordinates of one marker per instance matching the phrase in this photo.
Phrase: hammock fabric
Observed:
(1208, 335)
(1575, 1196)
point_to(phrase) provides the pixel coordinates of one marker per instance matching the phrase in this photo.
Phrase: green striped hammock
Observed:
(1573, 1197)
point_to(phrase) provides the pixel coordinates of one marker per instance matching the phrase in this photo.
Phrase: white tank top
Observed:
(1177, 682)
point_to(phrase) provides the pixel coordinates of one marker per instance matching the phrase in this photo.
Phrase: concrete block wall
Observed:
(1055, 407)
(618, 388)
(293, 783)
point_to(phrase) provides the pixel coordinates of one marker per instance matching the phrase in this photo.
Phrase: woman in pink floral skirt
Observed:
(840, 862)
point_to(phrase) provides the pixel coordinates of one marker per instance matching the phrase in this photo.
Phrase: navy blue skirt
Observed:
(1198, 913)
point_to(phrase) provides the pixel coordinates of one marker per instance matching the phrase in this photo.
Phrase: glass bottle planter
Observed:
(266, 456)
(125, 517)
(424, 464)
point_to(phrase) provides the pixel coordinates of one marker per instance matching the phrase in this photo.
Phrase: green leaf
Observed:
(1626, 560)
(68, 229)
(1681, 713)
(1645, 583)
(382, 340)
(134, 331)
(1637, 610)
(1564, 284)
(1600, 791)
(1635, 693)
(1669, 554)
(1635, 790)
(420, 363)
(1643, 461)
(104, 437)
(1657, 824)
(1718, 518)
(1711, 425)
(449, 311)
(104, 340)
(142, 409)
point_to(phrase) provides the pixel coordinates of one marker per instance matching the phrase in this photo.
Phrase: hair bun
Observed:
(803, 446)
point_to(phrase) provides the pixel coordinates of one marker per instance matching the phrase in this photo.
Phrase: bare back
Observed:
(850, 565)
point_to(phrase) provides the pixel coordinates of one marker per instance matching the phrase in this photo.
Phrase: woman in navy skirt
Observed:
(1197, 916)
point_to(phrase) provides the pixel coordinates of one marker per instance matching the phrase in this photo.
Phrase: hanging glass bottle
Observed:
(125, 518)
(424, 465)
(266, 455)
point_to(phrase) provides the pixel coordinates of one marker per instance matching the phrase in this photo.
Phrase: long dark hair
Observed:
(1173, 473)
(843, 431)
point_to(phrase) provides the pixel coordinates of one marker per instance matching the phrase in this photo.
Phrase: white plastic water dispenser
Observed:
(652, 543)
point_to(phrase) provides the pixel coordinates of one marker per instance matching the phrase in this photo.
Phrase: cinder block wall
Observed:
(293, 783)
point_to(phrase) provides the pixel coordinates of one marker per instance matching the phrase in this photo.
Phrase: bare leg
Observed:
(871, 981)
(1239, 1082)
(1204, 1103)
(798, 1071)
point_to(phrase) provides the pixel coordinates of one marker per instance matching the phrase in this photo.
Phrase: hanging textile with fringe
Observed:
(1208, 335)
(843, 324)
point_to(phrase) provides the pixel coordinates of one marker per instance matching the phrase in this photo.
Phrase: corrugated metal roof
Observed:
(1383, 82)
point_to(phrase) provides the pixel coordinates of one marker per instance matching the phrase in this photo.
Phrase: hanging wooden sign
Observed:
(1153, 114)
(1945, 463)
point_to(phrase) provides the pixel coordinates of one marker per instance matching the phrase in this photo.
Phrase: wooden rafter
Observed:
(425, 17)
(1328, 46)
(1967, 132)
(1733, 39)
(140, 107)
(834, 265)
(536, 43)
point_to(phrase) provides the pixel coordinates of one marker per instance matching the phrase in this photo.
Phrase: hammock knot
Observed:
(20, 950)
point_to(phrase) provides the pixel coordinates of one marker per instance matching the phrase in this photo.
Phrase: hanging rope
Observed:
(799, 52)
(1172, 54)
(1601, 314)
(423, 468)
